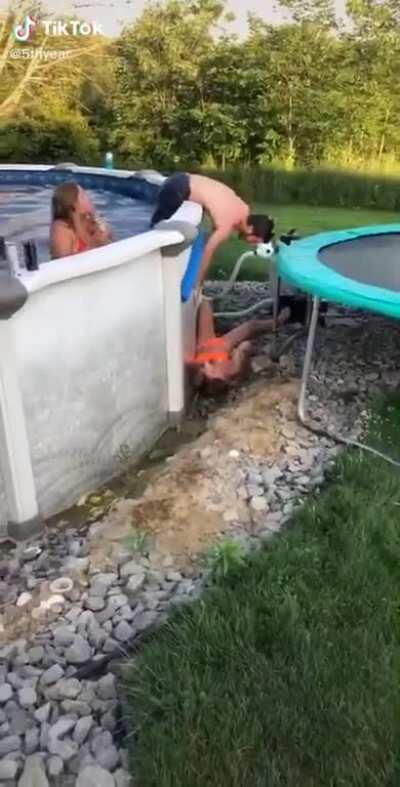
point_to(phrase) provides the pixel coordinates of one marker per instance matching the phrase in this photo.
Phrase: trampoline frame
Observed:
(300, 266)
(297, 262)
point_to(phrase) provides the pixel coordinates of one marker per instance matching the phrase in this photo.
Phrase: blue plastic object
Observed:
(109, 160)
(190, 277)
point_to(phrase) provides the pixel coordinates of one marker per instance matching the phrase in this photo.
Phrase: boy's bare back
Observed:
(221, 203)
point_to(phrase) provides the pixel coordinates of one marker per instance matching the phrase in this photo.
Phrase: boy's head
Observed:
(257, 229)
(208, 380)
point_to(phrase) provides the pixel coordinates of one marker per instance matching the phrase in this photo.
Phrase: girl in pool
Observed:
(75, 226)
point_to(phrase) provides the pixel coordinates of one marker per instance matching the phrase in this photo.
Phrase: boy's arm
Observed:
(218, 236)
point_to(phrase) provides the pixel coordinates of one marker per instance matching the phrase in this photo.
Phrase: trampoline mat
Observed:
(368, 259)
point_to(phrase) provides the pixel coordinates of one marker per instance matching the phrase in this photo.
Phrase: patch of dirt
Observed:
(195, 496)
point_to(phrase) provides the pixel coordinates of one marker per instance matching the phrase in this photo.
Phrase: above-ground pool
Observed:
(91, 346)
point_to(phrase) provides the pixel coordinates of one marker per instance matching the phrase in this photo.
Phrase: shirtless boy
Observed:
(226, 210)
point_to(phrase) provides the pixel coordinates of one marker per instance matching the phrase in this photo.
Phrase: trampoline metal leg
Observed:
(276, 291)
(308, 358)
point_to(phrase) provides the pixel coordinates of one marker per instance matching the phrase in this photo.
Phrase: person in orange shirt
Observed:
(222, 361)
(228, 213)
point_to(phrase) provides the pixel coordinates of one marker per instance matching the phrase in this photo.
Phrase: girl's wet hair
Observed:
(64, 200)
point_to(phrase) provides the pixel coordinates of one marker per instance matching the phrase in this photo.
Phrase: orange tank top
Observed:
(213, 350)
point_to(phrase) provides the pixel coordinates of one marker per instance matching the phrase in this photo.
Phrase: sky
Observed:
(111, 14)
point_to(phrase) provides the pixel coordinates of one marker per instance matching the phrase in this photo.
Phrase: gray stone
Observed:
(76, 707)
(68, 688)
(5, 693)
(27, 697)
(62, 727)
(79, 652)
(86, 618)
(96, 636)
(128, 569)
(52, 675)
(55, 766)
(44, 735)
(66, 750)
(271, 475)
(82, 729)
(109, 721)
(114, 604)
(254, 477)
(42, 714)
(15, 679)
(34, 774)
(127, 613)
(110, 645)
(101, 583)
(10, 743)
(36, 655)
(31, 553)
(135, 583)
(20, 721)
(8, 770)
(145, 620)
(5, 729)
(122, 778)
(64, 636)
(106, 688)
(258, 504)
(73, 614)
(94, 776)
(77, 564)
(108, 757)
(123, 632)
(32, 741)
(173, 576)
(82, 760)
(100, 740)
(95, 603)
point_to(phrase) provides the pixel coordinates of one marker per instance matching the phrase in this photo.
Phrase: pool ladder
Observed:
(15, 257)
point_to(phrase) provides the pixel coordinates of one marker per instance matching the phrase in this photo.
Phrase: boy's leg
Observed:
(205, 323)
(175, 190)
(252, 328)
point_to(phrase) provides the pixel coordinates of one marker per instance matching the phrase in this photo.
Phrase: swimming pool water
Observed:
(25, 214)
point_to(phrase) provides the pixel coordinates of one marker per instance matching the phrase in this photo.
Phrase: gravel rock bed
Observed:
(64, 624)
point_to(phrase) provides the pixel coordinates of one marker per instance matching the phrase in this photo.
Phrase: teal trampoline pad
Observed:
(358, 267)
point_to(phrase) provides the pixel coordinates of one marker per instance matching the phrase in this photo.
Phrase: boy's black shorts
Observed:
(175, 190)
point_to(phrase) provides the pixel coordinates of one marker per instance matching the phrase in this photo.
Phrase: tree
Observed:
(25, 82)
(160, 86)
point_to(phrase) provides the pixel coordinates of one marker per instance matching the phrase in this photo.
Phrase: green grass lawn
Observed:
(287, 673)
(306, 219)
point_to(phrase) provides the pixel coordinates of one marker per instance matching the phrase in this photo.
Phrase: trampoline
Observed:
(359, 268)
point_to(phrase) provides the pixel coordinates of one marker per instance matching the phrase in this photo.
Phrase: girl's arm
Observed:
(62, 240)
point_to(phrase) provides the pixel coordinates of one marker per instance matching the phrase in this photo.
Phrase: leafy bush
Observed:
(48, 140)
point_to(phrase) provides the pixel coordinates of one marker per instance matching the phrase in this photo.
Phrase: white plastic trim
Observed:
(14, 444)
